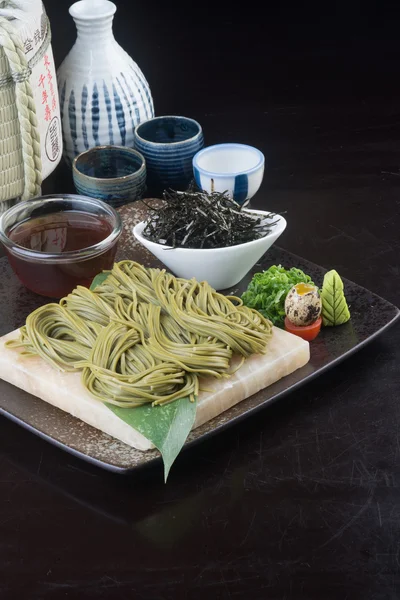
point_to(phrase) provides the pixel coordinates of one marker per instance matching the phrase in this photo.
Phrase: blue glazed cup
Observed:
(168, 144)
(114, 174)
(234, 168)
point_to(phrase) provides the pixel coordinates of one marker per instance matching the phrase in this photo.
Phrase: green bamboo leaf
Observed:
(334, 306)
(99, 279)
(167, 427)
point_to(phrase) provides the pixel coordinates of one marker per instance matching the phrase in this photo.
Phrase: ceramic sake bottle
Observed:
(103, 93)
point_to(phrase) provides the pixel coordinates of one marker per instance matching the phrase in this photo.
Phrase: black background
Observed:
(302, 501)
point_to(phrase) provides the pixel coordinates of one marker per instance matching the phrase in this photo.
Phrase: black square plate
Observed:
(370, 316)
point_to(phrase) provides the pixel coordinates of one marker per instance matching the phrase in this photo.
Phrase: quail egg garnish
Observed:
(303, 304)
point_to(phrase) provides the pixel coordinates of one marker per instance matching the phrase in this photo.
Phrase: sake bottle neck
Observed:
(94, 20)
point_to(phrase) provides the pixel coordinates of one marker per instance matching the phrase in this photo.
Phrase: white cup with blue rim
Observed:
(234, 168)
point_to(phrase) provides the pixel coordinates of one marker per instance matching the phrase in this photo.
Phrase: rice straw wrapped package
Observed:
(30, 124)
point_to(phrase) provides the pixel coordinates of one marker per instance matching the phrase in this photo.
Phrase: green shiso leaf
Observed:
(267, 291)
(167, 427)
(334, 306)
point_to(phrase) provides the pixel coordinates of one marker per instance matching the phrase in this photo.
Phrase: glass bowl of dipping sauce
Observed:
(54, 243)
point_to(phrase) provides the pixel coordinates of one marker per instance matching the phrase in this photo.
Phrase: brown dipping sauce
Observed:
(55, 234)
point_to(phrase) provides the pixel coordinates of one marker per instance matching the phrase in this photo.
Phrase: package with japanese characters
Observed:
(30, 124)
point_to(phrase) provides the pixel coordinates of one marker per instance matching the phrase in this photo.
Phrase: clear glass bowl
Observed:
(57, 242)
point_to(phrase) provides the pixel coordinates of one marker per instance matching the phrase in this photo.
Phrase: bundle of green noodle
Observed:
(144, 335)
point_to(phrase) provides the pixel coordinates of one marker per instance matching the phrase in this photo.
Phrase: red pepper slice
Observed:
(307, 332)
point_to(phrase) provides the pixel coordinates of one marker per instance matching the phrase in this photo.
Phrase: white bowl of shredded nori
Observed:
(208, 236)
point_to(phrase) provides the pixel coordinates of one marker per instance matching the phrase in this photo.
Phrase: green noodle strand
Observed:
(144, 335)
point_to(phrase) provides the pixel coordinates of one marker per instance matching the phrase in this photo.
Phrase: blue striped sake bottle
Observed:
(103, 93)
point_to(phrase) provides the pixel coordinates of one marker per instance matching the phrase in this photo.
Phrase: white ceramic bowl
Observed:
(223, 268)
(235, 168)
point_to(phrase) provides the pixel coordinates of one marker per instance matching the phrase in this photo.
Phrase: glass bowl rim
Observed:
(65, 257)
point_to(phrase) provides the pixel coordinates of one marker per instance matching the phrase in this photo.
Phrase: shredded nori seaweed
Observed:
(201, 220)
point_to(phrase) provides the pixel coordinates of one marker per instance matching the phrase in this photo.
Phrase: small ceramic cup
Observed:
(114, 174)
(168, 144)
(234, 168)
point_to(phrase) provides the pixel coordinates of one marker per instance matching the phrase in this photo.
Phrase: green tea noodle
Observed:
(58, 336)
(113, 374)
(144, 335)
(88, 306)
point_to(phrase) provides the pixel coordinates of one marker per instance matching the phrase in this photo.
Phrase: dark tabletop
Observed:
(301, 501)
